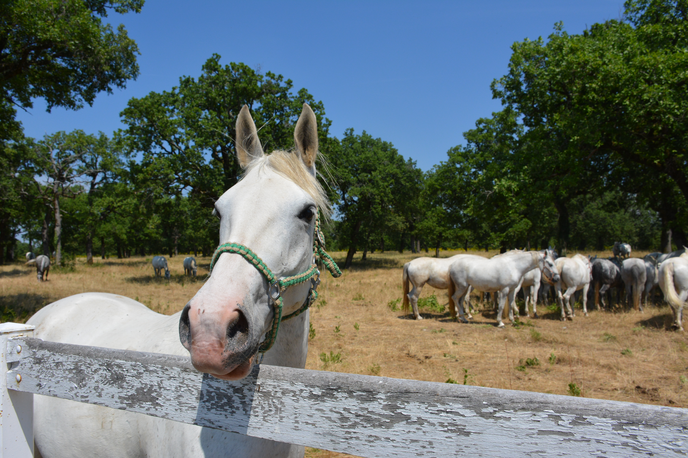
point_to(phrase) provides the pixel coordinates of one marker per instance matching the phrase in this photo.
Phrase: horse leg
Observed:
(585, 298)
(513, 311)
(567, 296)
(500, 310)
(467, 299)
(413, 296)
(457, 300)
(527, 297)
(560, 300)
(534, 290)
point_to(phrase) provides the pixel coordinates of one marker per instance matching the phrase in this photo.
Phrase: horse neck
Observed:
(291, 345)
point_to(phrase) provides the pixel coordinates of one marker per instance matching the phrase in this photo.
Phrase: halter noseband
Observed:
(278, 286)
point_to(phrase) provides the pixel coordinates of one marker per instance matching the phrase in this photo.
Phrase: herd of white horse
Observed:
(505, 274)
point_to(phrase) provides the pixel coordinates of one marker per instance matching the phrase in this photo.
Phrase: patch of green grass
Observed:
(449, 355)
(359, 297)
(430, 303)
(535, 335)
(532, 362)
(683, 379)
(638, 329)
(606, 337)
(552, 358)
(626, 352)
(574, 390)
(518, 324)
(311, 331)
(356, 326)
(454, 342)
(438, 331)
(466, 377)
(332, 358)
(451, 380)
(375, 369)
(337, 329)
(320, 303)
(394, 305)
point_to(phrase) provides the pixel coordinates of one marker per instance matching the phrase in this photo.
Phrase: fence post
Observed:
(16, 408)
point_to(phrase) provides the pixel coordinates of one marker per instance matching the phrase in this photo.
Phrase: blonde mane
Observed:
(289, 165)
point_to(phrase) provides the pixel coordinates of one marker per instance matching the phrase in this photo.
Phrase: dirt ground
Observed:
(358, 327)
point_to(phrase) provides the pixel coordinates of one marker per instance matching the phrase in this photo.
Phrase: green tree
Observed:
(187, 134)
(371, 180)
(61, 51)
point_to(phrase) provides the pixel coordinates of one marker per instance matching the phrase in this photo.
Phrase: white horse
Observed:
(634, 275)
(42, 266)
(575, 274)
(500, 273)
(272, 211)
(621, 250)
(673, 254)
(190, 266)
(673, 281)
(533, 279)
(433, 271)
(160, 265)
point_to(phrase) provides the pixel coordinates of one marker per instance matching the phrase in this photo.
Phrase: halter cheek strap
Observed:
(278, 286)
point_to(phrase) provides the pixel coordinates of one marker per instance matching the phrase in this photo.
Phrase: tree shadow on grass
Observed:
(663, 321)
(17, 272)
(371, 264)
(176, 279)
(18, 308)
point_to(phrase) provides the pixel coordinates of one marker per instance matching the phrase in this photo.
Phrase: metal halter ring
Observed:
(274, 291)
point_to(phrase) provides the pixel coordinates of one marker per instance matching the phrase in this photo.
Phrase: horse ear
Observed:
(306, 137)
(247, 141)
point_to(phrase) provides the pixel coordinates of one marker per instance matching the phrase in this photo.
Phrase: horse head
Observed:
(271, 215)
(549, 269)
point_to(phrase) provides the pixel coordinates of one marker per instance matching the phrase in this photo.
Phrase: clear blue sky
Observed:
(414, 73)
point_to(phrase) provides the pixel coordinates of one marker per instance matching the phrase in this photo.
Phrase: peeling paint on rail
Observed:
(355, 414)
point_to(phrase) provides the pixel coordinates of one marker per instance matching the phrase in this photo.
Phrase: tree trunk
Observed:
(349, 257)
(102, 248)
(45, 234)
(564, 225)
(58, 230)
(89, 247)
(666, 239)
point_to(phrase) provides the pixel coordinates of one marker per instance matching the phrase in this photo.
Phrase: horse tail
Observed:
(637, 288)
(670, 294)
(451, 289)
(405, 288)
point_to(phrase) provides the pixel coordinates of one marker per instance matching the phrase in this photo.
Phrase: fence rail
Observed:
(354, 414)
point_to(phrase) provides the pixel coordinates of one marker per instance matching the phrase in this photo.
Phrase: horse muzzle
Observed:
(221, 343)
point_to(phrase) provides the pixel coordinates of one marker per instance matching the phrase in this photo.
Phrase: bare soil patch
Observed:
(358, 327)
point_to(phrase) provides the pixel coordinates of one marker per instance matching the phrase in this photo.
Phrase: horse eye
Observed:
(307, 214)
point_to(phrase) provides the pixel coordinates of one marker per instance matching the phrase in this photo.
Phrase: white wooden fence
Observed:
(355, 414)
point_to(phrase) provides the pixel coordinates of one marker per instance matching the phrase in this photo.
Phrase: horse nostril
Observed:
(185, 328)
(238, 328)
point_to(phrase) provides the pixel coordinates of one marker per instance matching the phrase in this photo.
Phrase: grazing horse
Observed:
(433, 271)
(673, 281)
(575, 274)
(621, 250)
(605, 275)
(160, 264)
(272, 213)
(42, 266)
(634, 277)
(502, 273)
(190, 266)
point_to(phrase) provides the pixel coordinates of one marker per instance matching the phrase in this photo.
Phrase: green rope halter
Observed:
(278, 286)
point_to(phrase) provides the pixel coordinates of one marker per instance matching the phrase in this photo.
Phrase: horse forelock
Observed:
(289, 165)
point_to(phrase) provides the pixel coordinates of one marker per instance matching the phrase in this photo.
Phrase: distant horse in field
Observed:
(605, 275)
(575, 274)
(269, 215)
(418, 272)
(190, 266)
(673, 254)
(42, 266)
(621, 250)
(634, 277)
(673, 281)
(30, 256)
(160, 264)
(502, 273)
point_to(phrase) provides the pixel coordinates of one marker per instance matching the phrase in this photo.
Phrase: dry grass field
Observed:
(358, 327)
